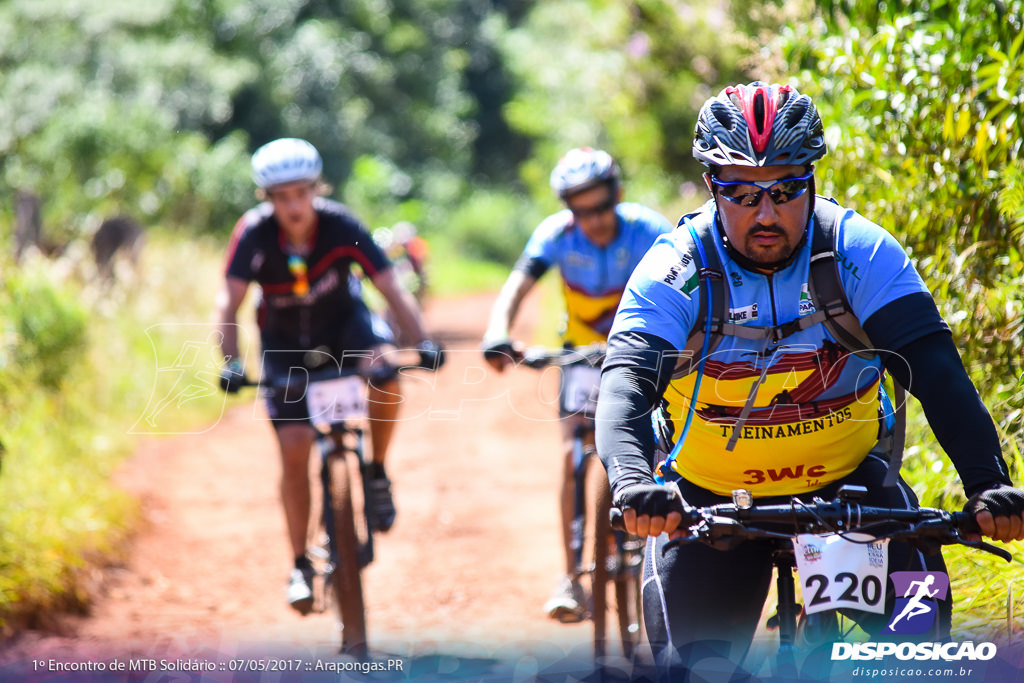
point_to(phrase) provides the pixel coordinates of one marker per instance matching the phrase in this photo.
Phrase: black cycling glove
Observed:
(650, 499)
(432, 355)
(232, 376)
(1001, 500)
(501, 348)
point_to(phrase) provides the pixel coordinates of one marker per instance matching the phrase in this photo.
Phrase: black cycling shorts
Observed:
(362, 332)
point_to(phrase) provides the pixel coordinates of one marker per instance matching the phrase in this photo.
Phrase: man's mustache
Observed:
(773, 229)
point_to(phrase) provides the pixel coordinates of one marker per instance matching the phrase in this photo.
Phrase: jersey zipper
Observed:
(771, 300)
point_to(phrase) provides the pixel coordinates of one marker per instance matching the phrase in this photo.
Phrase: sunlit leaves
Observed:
(929, 105)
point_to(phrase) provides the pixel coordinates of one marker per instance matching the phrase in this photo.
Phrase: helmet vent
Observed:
(796, 113)
(724, 117)
(759, 111)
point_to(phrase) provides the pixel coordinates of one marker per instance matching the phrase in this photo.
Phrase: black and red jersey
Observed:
(306, 294)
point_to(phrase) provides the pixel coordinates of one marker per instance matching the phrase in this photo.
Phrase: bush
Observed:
(47, 327)
(493, 226)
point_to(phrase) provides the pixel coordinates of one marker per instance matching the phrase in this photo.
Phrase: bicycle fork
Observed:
(786, 613)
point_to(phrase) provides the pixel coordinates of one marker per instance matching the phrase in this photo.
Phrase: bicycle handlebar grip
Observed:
(966, 522)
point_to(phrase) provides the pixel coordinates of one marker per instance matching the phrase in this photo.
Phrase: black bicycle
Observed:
(342, 546)
(727, 525)
(607, 556)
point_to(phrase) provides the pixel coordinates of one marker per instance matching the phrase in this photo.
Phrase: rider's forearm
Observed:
(408, 315)
(930, 368)
(229, 341)
(401, 303)
(632, 382)
(227, 325)
(506, 306)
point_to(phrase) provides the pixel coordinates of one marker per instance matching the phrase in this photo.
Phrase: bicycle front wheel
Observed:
(347, 580)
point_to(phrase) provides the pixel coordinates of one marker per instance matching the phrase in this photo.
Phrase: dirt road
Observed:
(458, 584)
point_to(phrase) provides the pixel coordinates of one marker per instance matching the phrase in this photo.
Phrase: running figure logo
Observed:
(917, 596)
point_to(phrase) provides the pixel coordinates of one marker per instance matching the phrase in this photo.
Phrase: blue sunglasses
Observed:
(780, 191)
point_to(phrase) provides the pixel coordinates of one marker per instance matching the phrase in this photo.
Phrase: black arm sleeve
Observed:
(636, 371)
(900, 322)
(534, 267)
(930, 369)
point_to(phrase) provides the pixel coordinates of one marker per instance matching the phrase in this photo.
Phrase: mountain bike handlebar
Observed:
(727, 525)
(539, 357)
(302, 377)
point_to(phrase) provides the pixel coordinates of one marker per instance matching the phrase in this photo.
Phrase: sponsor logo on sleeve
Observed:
(682, 276)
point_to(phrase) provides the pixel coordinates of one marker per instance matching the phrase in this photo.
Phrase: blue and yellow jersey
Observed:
(815, 407)
(593, 278)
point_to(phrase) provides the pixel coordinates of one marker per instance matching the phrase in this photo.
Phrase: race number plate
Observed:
(336, 400)
(838, 573)
(579, 388)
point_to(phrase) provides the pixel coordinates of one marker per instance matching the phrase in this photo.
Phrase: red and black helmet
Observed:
(759, 124)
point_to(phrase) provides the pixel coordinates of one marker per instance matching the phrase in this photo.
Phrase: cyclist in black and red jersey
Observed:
(299, 247)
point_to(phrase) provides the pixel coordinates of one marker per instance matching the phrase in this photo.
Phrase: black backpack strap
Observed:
(824, 285)
(898, 434)
(832, 309)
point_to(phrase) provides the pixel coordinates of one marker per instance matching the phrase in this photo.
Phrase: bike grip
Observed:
(966, 523)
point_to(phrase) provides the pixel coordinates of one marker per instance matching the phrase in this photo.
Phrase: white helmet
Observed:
(583, 168)
(285, 160)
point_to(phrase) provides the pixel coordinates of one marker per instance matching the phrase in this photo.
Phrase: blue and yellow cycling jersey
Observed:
(593, 278)
(814, 407)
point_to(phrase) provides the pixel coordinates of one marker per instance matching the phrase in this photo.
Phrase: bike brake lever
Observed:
(721, 533)
(679, 541)
(987, 547)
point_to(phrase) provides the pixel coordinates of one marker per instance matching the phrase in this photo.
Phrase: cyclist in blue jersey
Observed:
(299, 247)
(779, 406)
(595, 242)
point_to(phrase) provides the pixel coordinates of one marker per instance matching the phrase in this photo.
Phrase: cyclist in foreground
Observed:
(595, 242)
(777, 405)
(299, 248)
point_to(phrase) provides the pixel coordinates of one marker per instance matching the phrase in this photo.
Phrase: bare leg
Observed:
(566, 604)
(384, 405)
(295, 441)
(567, 495)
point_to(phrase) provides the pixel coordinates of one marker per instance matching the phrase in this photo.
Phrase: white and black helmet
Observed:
(285, 160)
(759, 124)
(583, 168)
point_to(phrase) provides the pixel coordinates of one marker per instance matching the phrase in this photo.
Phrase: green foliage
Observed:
(152, 110)
(632, 83)
(925, 130)
(493, 226)
(47, 328)
(102, 110)
(70, 395)
(923, 114)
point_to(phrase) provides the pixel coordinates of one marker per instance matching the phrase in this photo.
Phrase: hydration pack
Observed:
(831, 309)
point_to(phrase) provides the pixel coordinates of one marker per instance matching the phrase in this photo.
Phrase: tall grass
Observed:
(982, 584)
(77, 368)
